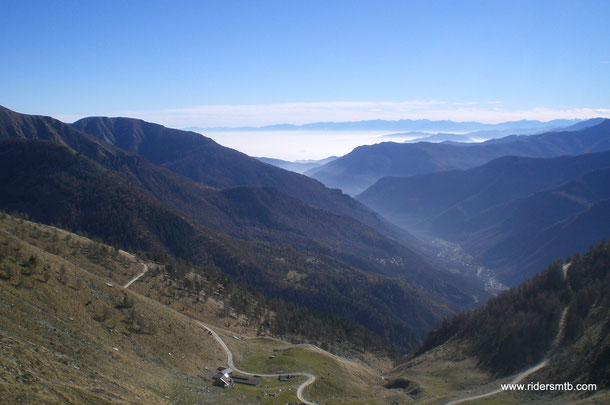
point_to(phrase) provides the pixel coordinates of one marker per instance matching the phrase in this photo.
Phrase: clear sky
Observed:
(233, 63)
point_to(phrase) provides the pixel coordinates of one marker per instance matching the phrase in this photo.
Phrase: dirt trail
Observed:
(523, 375)
(310, 377)
(133, 280)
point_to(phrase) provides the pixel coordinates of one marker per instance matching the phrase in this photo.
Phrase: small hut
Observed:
(223, 378)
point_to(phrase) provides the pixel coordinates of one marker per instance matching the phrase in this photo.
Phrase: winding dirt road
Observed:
(523, 375)
(310, 377)
(515, 380)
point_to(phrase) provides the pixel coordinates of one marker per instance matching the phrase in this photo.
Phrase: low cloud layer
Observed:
(337, 111)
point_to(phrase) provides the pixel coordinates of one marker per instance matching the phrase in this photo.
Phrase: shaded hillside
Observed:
(516, 329)
(250, 213)
(503, 212)
(576, 232)
(55, 185)
(266, 214)
(201, 159)
(362, 167)
(254, 213)
(517, 237)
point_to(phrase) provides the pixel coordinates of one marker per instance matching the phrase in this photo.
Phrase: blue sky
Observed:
(232, 63)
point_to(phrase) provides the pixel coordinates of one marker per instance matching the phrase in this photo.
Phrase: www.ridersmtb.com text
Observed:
(536, 386)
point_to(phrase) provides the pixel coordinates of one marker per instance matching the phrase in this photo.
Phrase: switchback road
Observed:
(310, 377)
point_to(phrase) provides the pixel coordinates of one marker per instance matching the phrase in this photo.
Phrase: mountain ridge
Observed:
(402, 124)
(365, 165)
(206, 204)
(201, 159)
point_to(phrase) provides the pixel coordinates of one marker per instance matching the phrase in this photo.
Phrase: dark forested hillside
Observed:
(361, 168)
(53, 184)
(251, 212)
(201, 159)
(516, 329)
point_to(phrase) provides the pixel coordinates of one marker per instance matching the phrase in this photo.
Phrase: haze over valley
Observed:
(317, 141)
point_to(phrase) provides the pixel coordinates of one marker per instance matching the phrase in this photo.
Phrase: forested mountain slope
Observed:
(511, 213)
(517, 329)
(201, 159)
(255, 213)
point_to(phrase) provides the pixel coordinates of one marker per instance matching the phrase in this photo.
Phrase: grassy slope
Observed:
(61, 323)
(64, 339)
(59, 329)
(445, 373)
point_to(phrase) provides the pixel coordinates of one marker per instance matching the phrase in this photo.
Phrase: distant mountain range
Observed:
(441, 137)
(483, 135)
(400, 125)
(361, 168)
